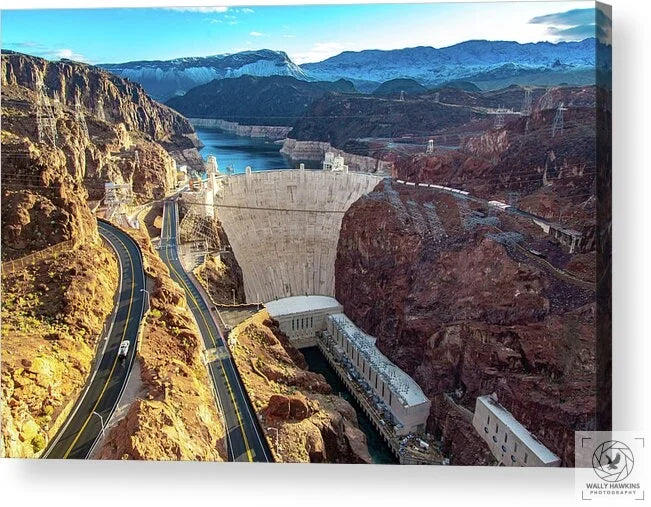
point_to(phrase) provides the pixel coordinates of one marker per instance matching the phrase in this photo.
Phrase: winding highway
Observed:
(244, 438)
(86, 422)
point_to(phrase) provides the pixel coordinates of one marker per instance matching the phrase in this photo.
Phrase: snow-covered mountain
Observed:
(487, 64)
(478, 61)
(166, 78)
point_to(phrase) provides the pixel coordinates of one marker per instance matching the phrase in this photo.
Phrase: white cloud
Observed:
(246, 10)
(196, 9)
(67, 53)
(256, 34)
(38, 49)
(318, 52)
(289, 36)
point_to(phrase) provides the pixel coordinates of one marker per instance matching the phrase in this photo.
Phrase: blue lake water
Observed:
(238, 151)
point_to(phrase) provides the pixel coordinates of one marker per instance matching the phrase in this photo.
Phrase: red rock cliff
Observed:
(468, 315)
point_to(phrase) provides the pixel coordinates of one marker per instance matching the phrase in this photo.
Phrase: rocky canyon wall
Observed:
(266, 131)
(458, 307)
(315, 150)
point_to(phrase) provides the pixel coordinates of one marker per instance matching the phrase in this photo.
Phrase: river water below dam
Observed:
(379, 450)
(238, 152)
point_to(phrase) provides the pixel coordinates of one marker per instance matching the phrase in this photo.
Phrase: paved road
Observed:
(245, 441)
(97, 403)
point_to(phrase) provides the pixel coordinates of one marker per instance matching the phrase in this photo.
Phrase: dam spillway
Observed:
(283, 227)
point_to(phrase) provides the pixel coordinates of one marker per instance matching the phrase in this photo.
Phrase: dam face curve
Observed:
(283, 227)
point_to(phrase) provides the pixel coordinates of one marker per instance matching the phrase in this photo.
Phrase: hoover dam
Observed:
(283, 227)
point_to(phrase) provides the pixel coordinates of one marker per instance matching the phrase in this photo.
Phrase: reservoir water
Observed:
(379, 450)
(239, 151)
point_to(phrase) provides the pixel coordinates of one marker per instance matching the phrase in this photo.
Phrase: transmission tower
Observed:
(526, 103)
(100, 109)
(136, 158)
(117, 196)
(197, 227)
(499, 120)
(57, 107)
(513, 198)
(558, 120)
(45, 120)
(430, 147)
(437, 97)
(79, 115)
(500, 116)
(402, 95)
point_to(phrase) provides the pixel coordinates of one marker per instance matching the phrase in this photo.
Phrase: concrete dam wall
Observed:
(284, 227)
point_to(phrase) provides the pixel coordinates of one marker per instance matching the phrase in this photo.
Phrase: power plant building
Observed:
(395, 391)
(509, 441)
(302, 317)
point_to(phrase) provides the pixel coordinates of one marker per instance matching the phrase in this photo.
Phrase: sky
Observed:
(305, 33)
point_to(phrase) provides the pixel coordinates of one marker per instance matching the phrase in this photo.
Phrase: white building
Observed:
(509, 441)
(335, 163)
(302, 317)
(399, 394)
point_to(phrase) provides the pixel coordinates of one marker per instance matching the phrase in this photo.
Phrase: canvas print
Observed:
(276, 234)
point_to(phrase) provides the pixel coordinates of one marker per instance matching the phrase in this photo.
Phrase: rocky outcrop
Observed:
(176, 417)
(120, 119)
(309, 424)
(222, 278)
(315, 150)
(456, 305)
(552, 176)
(52, 314)
(102, 94)
(266, 131)
(49, 184)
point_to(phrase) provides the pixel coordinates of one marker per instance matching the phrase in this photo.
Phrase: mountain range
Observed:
(486, 64)
(166, 78)
(476, 61)
(255, 100)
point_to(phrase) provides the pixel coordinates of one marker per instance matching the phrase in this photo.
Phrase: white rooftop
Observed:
(545, 455)
(299, 304)
(400, 383)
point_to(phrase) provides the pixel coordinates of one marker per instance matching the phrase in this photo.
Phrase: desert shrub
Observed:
(38, 443)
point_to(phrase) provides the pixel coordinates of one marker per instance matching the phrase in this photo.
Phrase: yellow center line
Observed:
(115, 361)
(212, 338)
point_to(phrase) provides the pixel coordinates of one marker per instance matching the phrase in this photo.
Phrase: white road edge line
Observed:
(133, 352)
(90, 381)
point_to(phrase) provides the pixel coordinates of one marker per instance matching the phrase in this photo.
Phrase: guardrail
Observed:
(11, 266)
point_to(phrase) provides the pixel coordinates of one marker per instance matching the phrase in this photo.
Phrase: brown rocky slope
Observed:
(311, 425)
(469, 315)
(176, 417)
(552, 175)
(120, 118)
(52, 314)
